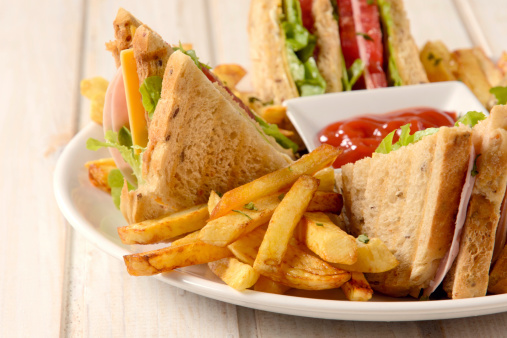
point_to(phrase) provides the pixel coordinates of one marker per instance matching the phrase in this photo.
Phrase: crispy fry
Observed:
(326, 178)
(470, 72)
(245, 249)
(326, 240)
(264, 284)
(274, 114)
(191, 238)
(493, 73)
(357, 288)
(213, 200)
(237, 275)
(229, 73)
(164, 228)
(167, 259)
(284, 220)
(95, 89)
(269, 184)
(373, 257)
(98, 172)
(437, 62)
(502, 62)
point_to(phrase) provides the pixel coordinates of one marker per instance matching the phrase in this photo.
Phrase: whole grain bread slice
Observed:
(409, 199)
(125, 25)
(198, 141)
(469, 274)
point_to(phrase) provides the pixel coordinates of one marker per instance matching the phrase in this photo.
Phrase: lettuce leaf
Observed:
(352, 74)
(115, 180)
(272, 130)
(387, 20)
(471, 118)
(192, 55)
(128, 153)
(151, 89)
(500, 94)
(386, 146)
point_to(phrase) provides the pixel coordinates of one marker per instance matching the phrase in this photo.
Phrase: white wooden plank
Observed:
(102, 299)
(437, 20)
(38, 96)
(491, 17)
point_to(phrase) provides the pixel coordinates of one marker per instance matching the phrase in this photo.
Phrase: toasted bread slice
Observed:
(469, 274)
(199, 141)
(125, 25)
(151, 53)
(409, 199)
(404, 49)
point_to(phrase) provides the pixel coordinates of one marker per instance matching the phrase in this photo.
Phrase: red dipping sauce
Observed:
(358, 137)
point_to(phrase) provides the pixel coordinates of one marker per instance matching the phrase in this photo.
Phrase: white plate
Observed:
(313, 113)
(92, 213)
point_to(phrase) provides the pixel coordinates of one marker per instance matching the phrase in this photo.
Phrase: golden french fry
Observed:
(191, 238)
(245, 249)
(98, 171)
(498, 275)
(274, 114)
(164, 228)
(326, 178)
(493, 73)
(264, 284)
(186, 46)
(301, 270)
(95, 89)
(269, 184)
(237, 275)
(357, 288)
(284, 220)
(437, 62)
(286, 132)
(229, 73)
(325, 239)
(213, 200)
(373, 257)
(167, 259)
(502, 62)
(470, 72)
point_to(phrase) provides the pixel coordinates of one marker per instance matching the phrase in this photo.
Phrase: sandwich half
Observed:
(437, 205)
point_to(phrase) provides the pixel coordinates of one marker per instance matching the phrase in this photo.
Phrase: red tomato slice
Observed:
(306, 14)
(361, 37)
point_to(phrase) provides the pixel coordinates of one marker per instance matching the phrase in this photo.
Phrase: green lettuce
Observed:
(352, 74)
(272, 130)
(500, 94)
(121, 143)
(192, 55)
(386, 146)
(387, 20)
(151, 89)
(300, 45)
(471, 118)
(115, 180)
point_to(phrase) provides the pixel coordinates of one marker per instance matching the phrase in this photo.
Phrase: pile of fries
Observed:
(272, 234)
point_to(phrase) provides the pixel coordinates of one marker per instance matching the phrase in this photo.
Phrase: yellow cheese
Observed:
(137, 119)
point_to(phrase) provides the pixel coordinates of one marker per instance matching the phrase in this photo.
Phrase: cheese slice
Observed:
(137, 119)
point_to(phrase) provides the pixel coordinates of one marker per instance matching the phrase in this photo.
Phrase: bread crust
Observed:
(125, 25)
(469, 274)
(198, 142)
(409, 199)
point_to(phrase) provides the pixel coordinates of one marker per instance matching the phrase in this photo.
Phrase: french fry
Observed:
(237, 275)
(167, 259)
(245, 249)
(498, 275)
(269, 184)
(95, 90)
(213, 200)
(470, 72)
(373, 257)
(326, 178)
(301, 270)
(164, 228)
(493, 73)
(284, 220)
(225, 230)
(264, 284)
(325, 239)
(230, 74)
(191, 238)
(274, 114)
(357, 288)
(502, 62)
(437, 62)
(98, 172)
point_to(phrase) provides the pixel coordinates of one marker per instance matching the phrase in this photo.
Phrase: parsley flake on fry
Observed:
(241, 212)
(250, 206)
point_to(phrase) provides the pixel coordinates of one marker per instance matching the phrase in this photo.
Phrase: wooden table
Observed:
(52, 280)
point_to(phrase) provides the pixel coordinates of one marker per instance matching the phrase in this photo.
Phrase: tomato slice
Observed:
(361, 37)
(306, 14)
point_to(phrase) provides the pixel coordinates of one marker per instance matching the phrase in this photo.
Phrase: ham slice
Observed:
(450, 256)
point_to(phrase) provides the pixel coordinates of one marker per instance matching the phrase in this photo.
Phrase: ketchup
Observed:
(358, 137)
